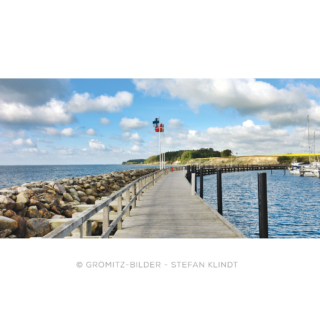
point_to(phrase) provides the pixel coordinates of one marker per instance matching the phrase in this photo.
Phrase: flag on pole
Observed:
(156, 122)
(161, 128)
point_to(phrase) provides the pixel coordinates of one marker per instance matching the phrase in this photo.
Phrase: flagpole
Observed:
(159, 145)
(164, 152)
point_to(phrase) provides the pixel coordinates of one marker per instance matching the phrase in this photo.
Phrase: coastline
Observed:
(30, 210)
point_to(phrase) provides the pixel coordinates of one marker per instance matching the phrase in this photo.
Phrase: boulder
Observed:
(22, 226)
(91, 200)
(84, 199)
(23, 197)
(90, 192)
(7, 223)
(68, 213)
(40, 226)
(75, 197)
(57, 216)
(9, 214)
(21, 189)
(37, 190)
(19, 206)
(33, 213)
(30, 233)
(47, 197)
(5, 233)
(67, 197)
(81, 194)
(45, 213)
(8, 203)
(59, 188)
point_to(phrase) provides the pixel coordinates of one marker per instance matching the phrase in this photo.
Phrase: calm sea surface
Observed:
(293, 203)
(16, 175)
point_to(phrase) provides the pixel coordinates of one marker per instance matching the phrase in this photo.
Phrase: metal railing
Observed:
(78, 221)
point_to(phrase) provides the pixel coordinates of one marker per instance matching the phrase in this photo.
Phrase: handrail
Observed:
(78, 221)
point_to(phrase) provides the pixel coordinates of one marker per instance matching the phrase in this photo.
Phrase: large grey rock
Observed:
(7, 223)
(33, 212)
(21, 189)
(37, 190)
(59, 188)
(5, 233)
(81, 194)
(23, 197)
(75, 197)
(67, 197)
(90, 192)
(40, 226)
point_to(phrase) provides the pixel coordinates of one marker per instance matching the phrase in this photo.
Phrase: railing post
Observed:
(139, 184)
(127, 201)
(193, 178)
(263, 205)
(201, 182)
(154, 176)
(219, 191)
(105, 218)
(81, 231)
(119, 225)
(134, 203)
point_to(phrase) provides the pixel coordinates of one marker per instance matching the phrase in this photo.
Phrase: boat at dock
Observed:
(307, 169)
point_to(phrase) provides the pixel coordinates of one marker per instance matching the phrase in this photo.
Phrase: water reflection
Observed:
(293, 203)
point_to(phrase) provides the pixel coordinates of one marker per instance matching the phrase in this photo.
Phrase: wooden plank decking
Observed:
(168, 210)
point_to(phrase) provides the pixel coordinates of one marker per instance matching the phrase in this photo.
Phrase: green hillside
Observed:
(185, 155)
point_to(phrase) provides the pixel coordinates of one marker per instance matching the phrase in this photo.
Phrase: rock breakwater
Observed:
(27, 210)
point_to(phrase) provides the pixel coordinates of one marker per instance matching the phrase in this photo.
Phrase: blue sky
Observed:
(94, 121)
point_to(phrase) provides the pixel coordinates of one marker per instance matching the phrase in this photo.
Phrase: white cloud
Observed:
(67, 132)
(30, 150)
(51, 131)
(21, 142)
(135, 148)
(91, 132)
(126, 134)
(135, 137)
(51, 113)
(33, 91)
(8, 134)
(175, 124)
(281, 107)
(105, 121)
(127, 124)
(84, 103)
(95, 144)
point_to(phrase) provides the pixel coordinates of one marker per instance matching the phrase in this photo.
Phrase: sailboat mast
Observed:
(314, 146)
(308, 138)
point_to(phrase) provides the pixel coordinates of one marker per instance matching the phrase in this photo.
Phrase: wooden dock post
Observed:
(134, 203)
(105, 218)
(188, 174)
(193, 178)
(263, 205)
(201, 182)
(219, 191)
(119, 225)
(127, 201)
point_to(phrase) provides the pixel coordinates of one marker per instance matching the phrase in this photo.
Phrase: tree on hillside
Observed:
(226, 153)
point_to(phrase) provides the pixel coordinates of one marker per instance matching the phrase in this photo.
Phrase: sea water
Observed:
(293, 202)
(16, 175)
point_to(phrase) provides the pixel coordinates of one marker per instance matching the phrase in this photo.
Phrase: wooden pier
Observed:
(254, 167)
(168, 210)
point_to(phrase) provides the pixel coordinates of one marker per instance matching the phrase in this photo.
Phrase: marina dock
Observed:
(168, 210)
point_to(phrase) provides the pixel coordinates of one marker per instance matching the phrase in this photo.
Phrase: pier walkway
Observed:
(168, 210)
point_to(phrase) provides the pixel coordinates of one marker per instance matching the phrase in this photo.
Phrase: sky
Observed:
(108, 121)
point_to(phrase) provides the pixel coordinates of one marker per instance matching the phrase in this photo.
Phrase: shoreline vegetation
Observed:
(36, 208)
(208, 156)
